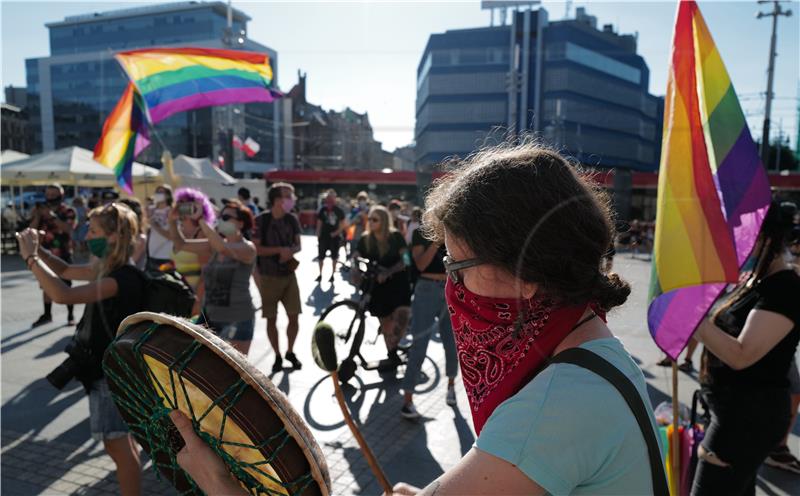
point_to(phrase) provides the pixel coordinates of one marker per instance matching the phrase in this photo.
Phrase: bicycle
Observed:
(354, 311)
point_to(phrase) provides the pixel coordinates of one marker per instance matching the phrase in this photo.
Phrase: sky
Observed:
(364, 55)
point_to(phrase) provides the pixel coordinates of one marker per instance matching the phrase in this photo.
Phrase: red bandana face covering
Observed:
(503, 342)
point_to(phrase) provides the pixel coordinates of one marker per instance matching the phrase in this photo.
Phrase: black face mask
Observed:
(54, 202)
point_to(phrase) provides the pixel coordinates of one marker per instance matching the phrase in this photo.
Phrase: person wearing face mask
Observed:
(114, 290)
(330, 226)
(358, 219)
(750, 342)
(159, 243)
(277, 241)
(227, 304)
(521, 290)
(57, 220)
(399, 221)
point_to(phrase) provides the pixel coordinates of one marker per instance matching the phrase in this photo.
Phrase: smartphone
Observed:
(186, 208)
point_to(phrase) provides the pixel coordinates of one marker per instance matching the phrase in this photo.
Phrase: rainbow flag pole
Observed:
(713, 193)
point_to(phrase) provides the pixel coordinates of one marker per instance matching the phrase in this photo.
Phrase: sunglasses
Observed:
(228, 217)
(452, 267)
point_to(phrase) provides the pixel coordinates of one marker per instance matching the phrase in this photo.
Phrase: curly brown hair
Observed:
(526, 209)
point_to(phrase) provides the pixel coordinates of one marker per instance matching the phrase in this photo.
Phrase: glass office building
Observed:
(73, 90)
(582, 89)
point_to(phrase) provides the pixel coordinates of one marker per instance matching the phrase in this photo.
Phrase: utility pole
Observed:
(776, 11)
(231, 41)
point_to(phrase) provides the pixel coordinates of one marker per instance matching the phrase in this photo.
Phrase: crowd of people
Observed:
(505, 293)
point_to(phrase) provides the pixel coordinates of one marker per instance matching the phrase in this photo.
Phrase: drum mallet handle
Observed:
(374, 465)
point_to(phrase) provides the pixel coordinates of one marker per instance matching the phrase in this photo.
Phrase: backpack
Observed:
(167, 292)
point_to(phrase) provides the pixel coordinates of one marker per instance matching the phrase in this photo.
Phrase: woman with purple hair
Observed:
(190, 265)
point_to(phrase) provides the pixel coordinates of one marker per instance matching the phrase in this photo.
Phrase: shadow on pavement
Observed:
(55, 348)
(12, 263)
(319, 299)
(401, 446)
(27, 414)
(9, 347)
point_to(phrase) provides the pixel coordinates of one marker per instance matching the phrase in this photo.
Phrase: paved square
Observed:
(46, 447)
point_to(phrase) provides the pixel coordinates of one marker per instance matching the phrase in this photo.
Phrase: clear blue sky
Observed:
(365, 54)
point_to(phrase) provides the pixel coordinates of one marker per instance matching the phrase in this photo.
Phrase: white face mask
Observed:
(226, 228)
(159, 197)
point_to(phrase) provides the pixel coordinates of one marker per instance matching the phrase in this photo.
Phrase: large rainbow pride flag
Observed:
(713, 191)
(165, 81)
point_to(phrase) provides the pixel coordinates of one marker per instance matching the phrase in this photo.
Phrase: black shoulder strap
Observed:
(590, 361)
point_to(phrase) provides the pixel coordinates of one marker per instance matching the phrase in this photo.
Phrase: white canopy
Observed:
(71, 166)
(8, 156)
(199, 168)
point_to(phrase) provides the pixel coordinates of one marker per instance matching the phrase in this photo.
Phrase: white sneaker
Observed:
(450, 399)
(410, 412)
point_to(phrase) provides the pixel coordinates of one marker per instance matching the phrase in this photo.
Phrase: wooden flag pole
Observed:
(675, 476)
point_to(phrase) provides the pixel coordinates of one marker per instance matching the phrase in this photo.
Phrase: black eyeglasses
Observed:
(452, 267)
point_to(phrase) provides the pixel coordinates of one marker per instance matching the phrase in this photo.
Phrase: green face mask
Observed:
(98, 247)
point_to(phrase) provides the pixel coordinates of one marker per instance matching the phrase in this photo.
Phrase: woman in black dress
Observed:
(391, 295)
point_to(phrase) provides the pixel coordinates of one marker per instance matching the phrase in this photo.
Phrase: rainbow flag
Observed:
(165, 81)
(124, 136)
(713, 191)
(173, 80)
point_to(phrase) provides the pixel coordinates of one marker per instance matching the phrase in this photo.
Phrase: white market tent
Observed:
(8, 156)
(191, 169)
(73, 166)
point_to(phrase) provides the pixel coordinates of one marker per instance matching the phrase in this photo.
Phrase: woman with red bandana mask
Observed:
(522, 288)
(525, 235)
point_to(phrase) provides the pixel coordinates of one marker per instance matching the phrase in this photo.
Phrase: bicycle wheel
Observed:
(345, 320)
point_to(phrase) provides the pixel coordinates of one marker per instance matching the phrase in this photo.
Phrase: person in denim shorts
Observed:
(227, 303)
(115, 291)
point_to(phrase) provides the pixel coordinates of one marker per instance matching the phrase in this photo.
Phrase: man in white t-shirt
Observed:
(159, 245)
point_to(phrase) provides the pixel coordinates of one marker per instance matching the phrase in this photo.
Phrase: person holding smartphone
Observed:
(227, 303)
(192, 205)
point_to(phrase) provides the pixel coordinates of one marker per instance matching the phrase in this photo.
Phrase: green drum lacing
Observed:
(143, 403)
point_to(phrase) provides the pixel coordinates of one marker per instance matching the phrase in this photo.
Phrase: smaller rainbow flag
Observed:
(165, 81)
(124, 135)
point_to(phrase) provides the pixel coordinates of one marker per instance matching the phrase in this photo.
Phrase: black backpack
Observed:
(167, 292)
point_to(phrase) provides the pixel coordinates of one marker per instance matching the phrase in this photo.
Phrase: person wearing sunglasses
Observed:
(227, 303)
(391, 295)
(114, 290)
(525, 234)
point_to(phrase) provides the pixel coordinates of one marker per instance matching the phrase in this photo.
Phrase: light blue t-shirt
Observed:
(571, 431)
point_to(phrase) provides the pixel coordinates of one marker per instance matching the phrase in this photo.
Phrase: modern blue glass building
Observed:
(583, 89)
(73, 90)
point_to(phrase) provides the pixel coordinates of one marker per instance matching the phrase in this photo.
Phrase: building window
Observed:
(594, 60)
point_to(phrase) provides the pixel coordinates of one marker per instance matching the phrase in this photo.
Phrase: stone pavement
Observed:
(46, 447)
